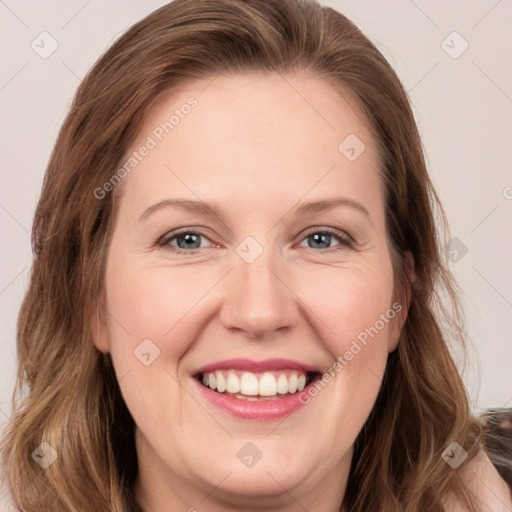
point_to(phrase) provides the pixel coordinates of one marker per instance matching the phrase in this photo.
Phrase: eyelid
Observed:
(163, 241)
(343, 237)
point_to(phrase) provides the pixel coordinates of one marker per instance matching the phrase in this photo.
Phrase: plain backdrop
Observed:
(453, 58)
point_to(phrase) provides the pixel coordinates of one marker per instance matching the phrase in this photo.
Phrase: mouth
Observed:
(264, 390)
(257, 386)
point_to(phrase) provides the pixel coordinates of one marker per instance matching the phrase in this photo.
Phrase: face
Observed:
(250, 256)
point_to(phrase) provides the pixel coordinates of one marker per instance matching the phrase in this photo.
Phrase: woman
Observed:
(234, 302)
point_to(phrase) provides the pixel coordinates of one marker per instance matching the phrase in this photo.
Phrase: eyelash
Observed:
(344, 240)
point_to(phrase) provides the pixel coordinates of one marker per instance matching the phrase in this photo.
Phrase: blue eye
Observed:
(323, 237)
(190, 241)
(187, 241)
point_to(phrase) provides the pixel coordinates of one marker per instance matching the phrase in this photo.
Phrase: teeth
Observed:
(233, 383)
(282, 384)
(212, 381)
(221, 382)
(250, 386)
(292, 383)
(268, 385)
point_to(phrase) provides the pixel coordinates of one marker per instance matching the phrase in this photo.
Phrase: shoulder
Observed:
(492, 492)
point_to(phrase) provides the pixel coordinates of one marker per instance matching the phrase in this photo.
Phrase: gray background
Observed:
(462, 102)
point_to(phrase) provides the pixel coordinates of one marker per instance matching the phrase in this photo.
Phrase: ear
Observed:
(403, 297)
(100, 331)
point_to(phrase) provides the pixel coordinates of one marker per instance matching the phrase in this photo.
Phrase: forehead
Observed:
(239, 135)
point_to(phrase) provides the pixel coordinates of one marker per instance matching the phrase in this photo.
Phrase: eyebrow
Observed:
(329, 204)
(213, 209)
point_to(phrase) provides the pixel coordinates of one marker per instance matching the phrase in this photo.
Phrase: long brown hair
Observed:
(67, 394)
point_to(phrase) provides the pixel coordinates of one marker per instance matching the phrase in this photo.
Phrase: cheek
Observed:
(154, 320)
(355, 314)
(170, 306)
(349, 303)
(156, 304)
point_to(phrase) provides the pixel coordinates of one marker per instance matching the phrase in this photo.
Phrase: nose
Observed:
(259, 299)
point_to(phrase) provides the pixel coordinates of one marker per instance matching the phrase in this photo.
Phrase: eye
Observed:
(322, 239)
(190, 241)
(185, 241)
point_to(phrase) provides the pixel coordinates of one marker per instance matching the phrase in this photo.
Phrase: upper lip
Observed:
(257, 366)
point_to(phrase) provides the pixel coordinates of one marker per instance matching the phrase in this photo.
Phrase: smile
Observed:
(264, 390)
(270, 385)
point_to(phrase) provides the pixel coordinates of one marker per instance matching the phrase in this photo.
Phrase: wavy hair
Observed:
(67, 394)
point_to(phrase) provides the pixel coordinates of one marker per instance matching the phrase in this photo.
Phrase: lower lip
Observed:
(264, 410)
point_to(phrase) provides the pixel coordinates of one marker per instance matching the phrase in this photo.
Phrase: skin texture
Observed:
(257, 146)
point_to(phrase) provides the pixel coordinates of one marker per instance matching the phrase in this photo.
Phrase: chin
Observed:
(262, 467)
